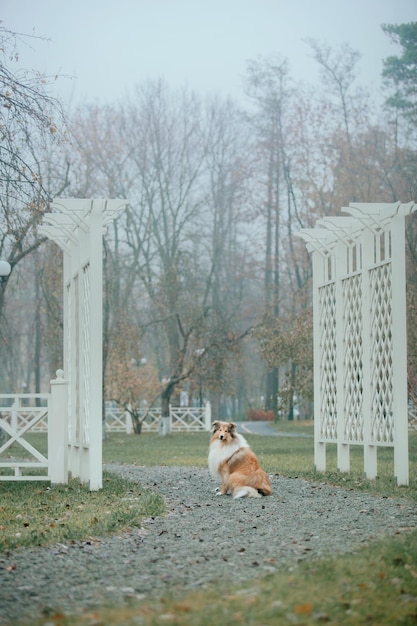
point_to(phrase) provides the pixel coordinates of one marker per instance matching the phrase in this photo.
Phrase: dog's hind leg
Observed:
(261, 482)
(246, 492)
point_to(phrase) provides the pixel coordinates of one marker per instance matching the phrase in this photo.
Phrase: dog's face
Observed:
(224, 431)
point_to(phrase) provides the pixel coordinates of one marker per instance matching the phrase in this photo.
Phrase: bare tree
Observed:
(268, 87)
(167, 153)
(233, 249)
(29, 119)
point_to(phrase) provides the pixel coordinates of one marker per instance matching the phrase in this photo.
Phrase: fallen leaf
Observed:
(182, 606)
(10, 568)
(304, 609)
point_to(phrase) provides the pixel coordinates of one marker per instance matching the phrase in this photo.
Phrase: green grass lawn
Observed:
(35, 514)
(376, 585)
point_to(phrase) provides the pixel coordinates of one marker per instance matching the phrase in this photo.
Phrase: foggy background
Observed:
(103, 47)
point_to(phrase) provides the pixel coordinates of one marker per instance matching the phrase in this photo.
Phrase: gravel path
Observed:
(203, 539)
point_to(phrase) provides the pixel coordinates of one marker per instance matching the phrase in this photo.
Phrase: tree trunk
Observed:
(137, 423)
(164, 423)
(272, 387)
(37, 333)
(291, 399)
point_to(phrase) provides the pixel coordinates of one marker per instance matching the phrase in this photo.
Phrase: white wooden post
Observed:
(207, 416)
(93, 374)
(399, 346)
(319, 262)
(58, 430)
(13, 416)
(77, 227)
(343, 450)
(370, 449)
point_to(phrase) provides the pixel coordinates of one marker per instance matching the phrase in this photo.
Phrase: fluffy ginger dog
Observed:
(231, 459)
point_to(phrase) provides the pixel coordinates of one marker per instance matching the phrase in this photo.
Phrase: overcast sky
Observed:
(108, 46)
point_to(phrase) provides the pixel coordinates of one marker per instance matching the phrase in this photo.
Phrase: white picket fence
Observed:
(16, 419)
(188, 419)
(22, 414)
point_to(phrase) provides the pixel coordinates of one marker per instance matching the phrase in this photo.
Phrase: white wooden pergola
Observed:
(360, 338)
(77, 227)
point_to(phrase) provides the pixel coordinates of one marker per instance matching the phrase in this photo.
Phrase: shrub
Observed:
(257, 415)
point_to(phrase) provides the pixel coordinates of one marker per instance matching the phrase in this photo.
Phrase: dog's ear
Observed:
(232, 427)
(215, 426)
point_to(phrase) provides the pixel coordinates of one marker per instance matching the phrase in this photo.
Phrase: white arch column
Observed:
(77, 227)
(360, 341)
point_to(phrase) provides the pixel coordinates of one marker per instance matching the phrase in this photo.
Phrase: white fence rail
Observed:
(22, 414)
(191, 419)
(17, 417)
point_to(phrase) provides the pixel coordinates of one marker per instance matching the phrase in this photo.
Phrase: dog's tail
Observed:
(246, 492)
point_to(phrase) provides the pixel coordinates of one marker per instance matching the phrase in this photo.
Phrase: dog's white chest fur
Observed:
(219, 452)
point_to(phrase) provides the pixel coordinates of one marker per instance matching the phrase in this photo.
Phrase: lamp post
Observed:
(5, 269)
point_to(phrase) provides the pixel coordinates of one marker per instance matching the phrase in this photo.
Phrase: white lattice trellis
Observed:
(360, 346)
(77, 227)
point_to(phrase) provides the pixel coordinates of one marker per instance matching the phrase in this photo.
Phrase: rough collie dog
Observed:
(231, 459)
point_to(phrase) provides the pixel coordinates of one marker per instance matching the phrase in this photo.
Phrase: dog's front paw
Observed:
(218, 491)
